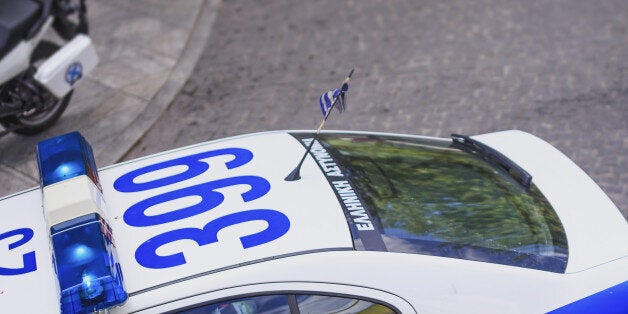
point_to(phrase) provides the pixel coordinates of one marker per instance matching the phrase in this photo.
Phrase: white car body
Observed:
(316, 254)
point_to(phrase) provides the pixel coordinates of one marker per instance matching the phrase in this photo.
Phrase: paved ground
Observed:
(553, 68)
(147, 49)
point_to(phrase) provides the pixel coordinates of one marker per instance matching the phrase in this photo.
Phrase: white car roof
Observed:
(316, 218)
(23, 211)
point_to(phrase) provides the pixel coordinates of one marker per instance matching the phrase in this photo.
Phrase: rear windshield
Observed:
(427, 197)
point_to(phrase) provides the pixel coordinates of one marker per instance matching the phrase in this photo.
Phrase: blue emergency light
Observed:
(87, 266)
(65, 157)
(84, 255)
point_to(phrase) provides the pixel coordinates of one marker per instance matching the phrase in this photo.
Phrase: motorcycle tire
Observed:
(29, 123)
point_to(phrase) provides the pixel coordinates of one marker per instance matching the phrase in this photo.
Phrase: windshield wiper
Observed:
(491, 155)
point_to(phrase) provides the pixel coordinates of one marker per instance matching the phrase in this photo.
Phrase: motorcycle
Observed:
(37, 75)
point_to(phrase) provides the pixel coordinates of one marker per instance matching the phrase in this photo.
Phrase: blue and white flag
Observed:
(327, 99)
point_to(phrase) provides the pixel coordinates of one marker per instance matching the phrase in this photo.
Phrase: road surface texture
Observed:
(557, 69)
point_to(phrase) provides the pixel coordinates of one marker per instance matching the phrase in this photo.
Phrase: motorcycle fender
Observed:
(67, 67)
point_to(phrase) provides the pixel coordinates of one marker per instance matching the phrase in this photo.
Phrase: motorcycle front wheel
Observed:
(35, 121)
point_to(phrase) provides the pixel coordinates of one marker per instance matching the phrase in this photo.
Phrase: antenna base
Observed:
(294, 175)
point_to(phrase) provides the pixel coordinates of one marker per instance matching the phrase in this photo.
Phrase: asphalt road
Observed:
(556, 69)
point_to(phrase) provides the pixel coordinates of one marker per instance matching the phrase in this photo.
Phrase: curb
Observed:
(162, 99)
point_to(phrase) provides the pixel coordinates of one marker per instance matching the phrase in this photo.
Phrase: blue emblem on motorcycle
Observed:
(74, 73)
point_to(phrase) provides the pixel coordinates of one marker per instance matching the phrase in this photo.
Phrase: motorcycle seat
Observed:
(17, 17)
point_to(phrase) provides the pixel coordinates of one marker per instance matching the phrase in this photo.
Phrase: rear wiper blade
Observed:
(491, 155)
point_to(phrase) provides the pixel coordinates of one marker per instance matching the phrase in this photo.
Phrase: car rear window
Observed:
(428, 197)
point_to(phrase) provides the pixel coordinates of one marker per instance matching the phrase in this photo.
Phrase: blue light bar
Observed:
(87, 265)
(65, 157)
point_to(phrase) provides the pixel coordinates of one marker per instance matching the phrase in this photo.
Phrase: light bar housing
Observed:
(85, 259)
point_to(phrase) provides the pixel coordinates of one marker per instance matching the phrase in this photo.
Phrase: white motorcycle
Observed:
(37, 76)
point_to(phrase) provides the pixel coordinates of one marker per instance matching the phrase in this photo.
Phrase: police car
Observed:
(370, 223)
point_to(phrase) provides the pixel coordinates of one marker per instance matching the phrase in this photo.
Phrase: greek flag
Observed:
(327, 99)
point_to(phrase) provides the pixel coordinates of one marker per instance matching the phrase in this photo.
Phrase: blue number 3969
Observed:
(146, 254)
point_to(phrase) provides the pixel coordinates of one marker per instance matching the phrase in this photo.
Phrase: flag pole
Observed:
(295, 174)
